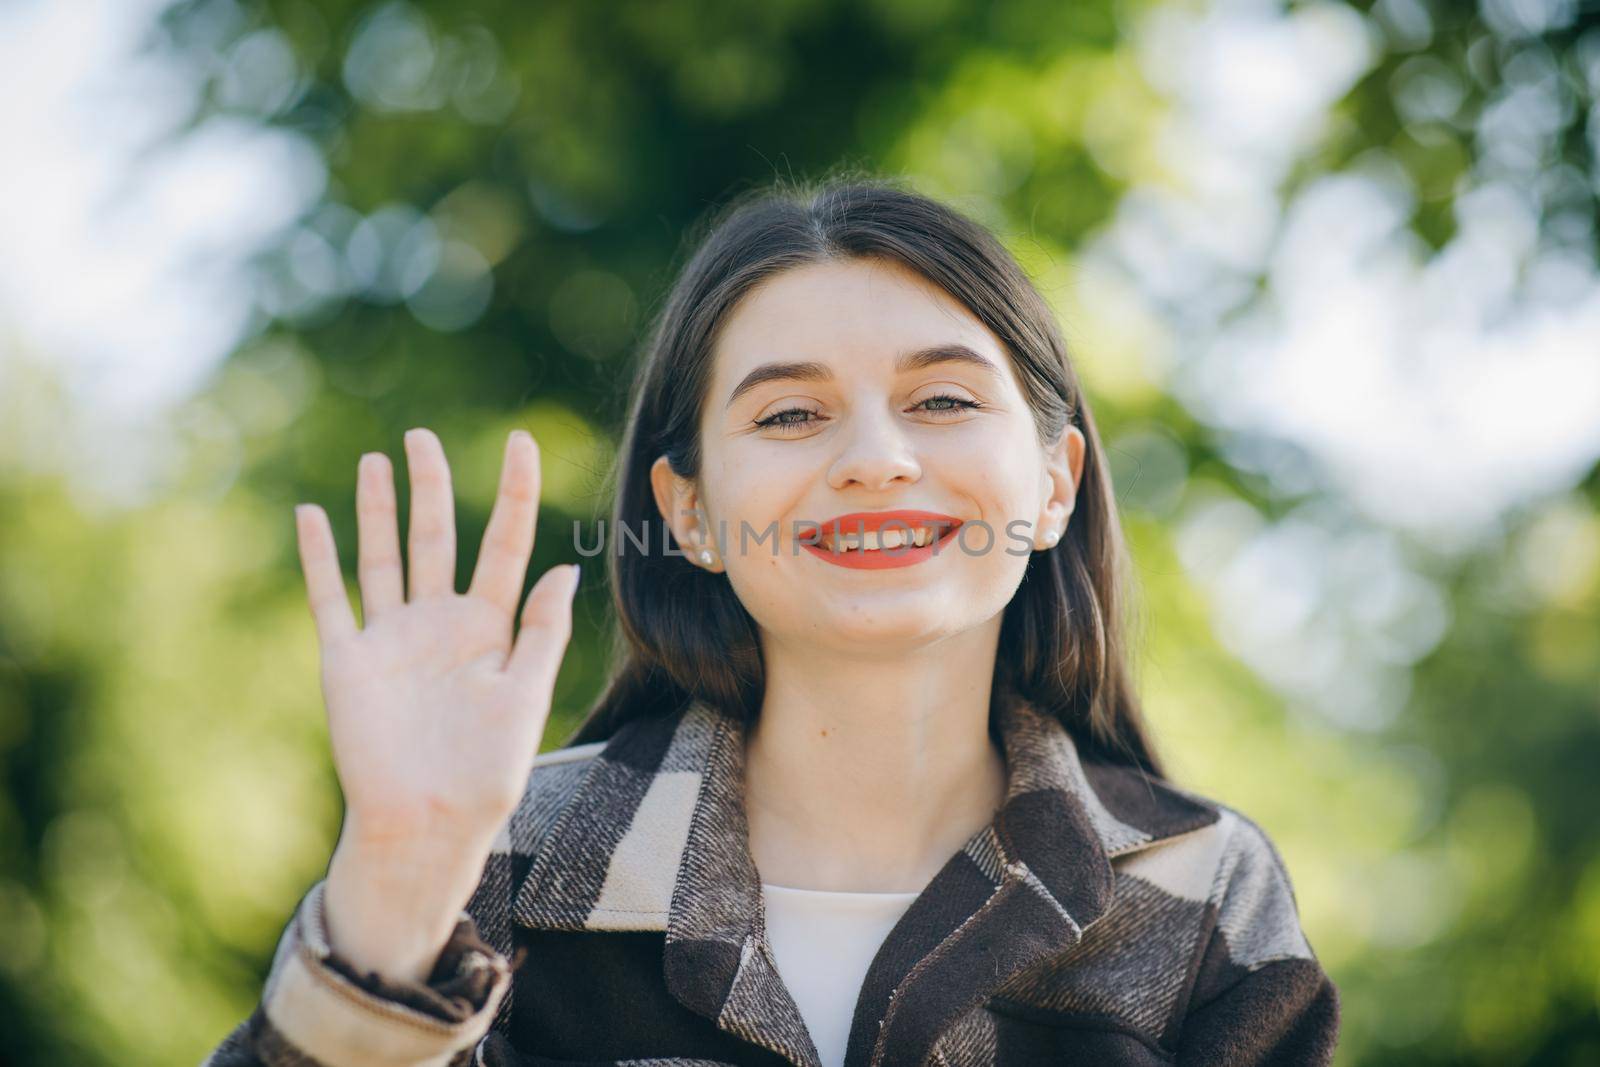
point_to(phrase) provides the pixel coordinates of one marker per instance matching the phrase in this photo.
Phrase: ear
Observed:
(685, 514)
(1059, 481)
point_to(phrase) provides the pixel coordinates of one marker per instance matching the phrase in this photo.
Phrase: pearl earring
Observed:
(705, 555)
(1050, 537)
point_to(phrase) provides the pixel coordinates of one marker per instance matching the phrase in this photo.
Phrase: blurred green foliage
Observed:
(508, 186)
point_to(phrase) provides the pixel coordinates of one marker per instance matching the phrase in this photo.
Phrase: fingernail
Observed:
(577, 575)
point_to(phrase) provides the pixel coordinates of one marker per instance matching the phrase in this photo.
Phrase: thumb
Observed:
(546, 628)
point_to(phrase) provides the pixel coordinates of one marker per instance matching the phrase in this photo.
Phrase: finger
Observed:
(319, 560)
(546, 629)
(433, 522)
(508, 540)
(378, 567)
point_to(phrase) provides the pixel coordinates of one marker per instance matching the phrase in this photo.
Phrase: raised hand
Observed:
(434, 717)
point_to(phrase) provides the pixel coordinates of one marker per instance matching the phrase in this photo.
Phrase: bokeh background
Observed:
(1328, 270)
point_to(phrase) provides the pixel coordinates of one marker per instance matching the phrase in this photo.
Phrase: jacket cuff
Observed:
(327, 1010)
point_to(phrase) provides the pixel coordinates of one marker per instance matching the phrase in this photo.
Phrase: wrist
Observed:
(392, 910)
(421, 831)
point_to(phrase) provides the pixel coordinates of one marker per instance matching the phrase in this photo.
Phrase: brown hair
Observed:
(682, 634)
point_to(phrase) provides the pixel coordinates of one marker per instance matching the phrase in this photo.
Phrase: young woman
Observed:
(869, 785)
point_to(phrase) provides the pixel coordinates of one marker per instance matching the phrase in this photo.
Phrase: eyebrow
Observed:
(811, 371)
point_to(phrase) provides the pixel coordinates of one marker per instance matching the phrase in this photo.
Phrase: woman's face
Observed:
(863, 428)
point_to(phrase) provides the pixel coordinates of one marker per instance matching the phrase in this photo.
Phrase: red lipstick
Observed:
(817, 541)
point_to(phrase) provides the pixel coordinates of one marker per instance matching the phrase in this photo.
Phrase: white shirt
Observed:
(823, 942)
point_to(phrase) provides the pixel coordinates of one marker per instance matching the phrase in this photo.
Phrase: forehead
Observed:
(848, 314)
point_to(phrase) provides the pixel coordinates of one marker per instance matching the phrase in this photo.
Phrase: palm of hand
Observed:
(433, 716)
(426, 727)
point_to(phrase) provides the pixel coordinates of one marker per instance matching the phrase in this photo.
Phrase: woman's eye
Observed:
(781, 420)
(960, 403)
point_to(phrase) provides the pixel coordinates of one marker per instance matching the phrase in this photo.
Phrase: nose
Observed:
(875, 454)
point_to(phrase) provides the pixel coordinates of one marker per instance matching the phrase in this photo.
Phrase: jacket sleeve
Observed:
(318, 1010)
(1260, 996)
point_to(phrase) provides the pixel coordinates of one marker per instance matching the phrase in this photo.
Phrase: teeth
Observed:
(892, 538)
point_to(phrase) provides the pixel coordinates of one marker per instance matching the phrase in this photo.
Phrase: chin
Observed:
(882, 630)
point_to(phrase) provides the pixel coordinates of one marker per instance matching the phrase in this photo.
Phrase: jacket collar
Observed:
(655, 838)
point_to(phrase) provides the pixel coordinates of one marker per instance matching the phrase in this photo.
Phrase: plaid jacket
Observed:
(1102, 917)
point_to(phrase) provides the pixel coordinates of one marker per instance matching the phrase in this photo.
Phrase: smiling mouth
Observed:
(878, 540)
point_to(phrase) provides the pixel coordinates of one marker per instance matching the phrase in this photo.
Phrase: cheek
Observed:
(994, 484)
(754, 507)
